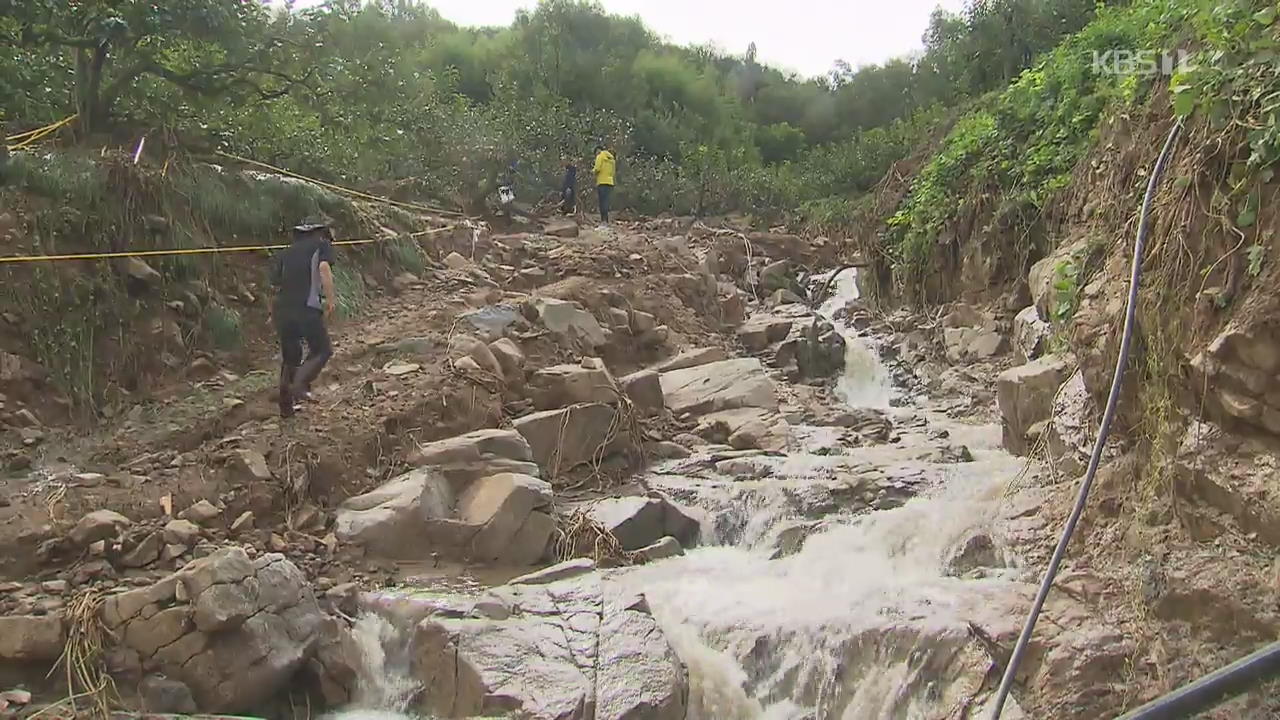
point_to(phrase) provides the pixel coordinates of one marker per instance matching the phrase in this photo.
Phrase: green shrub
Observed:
(223, 325)
(353, 295)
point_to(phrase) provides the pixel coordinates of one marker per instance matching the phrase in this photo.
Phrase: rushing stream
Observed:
(864, 620)
(861, 623)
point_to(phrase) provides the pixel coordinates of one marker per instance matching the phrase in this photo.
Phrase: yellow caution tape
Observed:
(193, 251)
(338, 188)
(26, 138)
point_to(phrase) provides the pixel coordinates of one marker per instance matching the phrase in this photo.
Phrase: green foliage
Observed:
(1232, 80)
(405, 255)
(1255, 254)
(353, 295)
(1018, 148)
(67, 349)
(223, 325)
(73, 179)
(378, 91)
(1066, 291)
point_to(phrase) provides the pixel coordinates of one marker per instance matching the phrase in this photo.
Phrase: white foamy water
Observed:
(385, 687)
(862, 623)
(865, 382)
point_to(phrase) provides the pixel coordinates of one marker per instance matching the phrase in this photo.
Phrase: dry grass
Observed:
(91, 689)
(577, 535)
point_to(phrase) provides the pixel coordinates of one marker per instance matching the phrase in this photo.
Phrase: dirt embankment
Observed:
(1177, 546)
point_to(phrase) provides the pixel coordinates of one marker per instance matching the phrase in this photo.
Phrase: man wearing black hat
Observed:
(303, 276)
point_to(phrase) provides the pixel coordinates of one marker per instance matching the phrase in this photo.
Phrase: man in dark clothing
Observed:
(569, 189)
(303, 276)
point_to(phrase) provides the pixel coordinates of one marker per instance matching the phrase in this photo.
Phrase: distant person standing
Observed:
(604, 169)
(305, 298)
(569, 188)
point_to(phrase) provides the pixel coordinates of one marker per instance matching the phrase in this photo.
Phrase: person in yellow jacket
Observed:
(604, 169)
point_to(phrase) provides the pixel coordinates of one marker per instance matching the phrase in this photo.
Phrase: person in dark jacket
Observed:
(569, 189)
(305, 298)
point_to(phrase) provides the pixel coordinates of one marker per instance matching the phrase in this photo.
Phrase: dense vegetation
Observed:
(388, 92)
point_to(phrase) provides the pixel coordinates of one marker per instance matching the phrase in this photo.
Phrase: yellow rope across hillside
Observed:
(338, 188)
(24, 139)
(197, 251)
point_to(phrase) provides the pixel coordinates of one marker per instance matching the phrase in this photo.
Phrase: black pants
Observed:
(568, 201)
(604, 193)
(297, 374)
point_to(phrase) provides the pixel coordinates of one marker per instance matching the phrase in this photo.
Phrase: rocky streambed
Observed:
(821, 527)
(847, 560)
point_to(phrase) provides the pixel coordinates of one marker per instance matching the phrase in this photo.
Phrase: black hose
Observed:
(1126, 338)
(816, 299)
(1213, 688)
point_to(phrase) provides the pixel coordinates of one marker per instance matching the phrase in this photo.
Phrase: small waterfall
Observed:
(865, 382)
(862, 624)
(385, 686)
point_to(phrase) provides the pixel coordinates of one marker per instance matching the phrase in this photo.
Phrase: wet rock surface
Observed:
(569, 647)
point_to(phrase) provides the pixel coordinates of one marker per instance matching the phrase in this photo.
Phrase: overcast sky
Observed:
(804, 36)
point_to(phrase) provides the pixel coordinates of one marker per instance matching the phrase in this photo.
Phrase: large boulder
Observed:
(512, 515)
(638, 522)
(1047, 273)
(1233, 475)
(776, 275)
(31, 638)
(812, 349)
(510, 357)
(745, 428)
(1069, 434)
(568, 437)
(722, 385)
(234, 630)
(569, 319)
(644, 389)
(465, 458)
(574, 649)
(973, 343)
(98, 525)
(393, 520)
(466, 346)
(561, 385)
(561, 228)
(502, 518)
(761, 331)
(1235, 372)
(730, 305)
(1025, 395)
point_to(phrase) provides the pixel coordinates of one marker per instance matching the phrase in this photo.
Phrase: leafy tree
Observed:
(201, 46)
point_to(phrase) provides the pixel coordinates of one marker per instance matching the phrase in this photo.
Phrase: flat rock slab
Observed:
(575, 649)
(722, 385)
(566, 438)
(692, 358)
